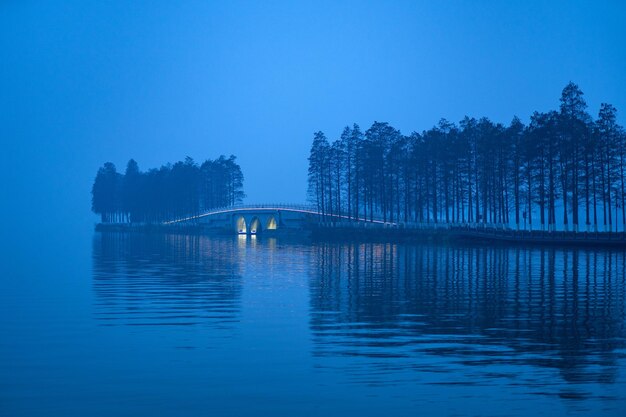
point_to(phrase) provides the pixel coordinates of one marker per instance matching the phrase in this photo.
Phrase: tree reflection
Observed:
(143, 279)
(471, 306)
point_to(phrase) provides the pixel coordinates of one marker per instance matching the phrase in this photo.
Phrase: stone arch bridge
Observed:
(262, 218)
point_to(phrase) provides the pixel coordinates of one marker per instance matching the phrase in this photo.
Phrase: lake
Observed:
(170, 325)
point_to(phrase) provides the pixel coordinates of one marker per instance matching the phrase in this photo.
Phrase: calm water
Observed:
(178, 325)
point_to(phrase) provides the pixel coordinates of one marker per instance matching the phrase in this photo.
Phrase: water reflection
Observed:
(552, 321)
(428, 323)
(144, 279)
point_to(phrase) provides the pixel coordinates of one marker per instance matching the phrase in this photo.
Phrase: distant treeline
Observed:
(479, 171)
(172, 191)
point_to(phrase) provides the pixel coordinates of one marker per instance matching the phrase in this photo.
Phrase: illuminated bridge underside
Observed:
(259, 219)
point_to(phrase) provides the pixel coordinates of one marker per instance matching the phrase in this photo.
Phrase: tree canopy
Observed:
(562, 165)
(172, 191)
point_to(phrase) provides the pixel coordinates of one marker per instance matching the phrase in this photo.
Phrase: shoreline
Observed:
(400, 235)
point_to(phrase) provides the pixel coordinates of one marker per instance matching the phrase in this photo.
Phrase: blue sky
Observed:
(83, 83)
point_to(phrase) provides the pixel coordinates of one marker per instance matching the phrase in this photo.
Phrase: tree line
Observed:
(562, 168)
(172, 191)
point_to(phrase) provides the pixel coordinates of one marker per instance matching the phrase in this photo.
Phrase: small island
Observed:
(557, 180)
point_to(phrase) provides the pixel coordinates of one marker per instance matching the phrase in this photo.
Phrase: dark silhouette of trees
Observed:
(180, 190)
(560, 169)
(319, 174)
(131, 188)
(610, 138)
(106, 192)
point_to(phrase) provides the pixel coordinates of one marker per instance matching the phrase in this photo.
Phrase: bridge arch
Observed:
(255, 225)
(271, 223)
(240, 225)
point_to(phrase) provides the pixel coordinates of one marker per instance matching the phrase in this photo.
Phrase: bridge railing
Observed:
(344, 219)
(309, 208)
(266, 206)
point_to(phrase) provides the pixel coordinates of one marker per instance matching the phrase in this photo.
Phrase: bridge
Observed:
(252, 219)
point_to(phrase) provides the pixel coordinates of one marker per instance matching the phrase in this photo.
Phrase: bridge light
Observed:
(241, 225)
